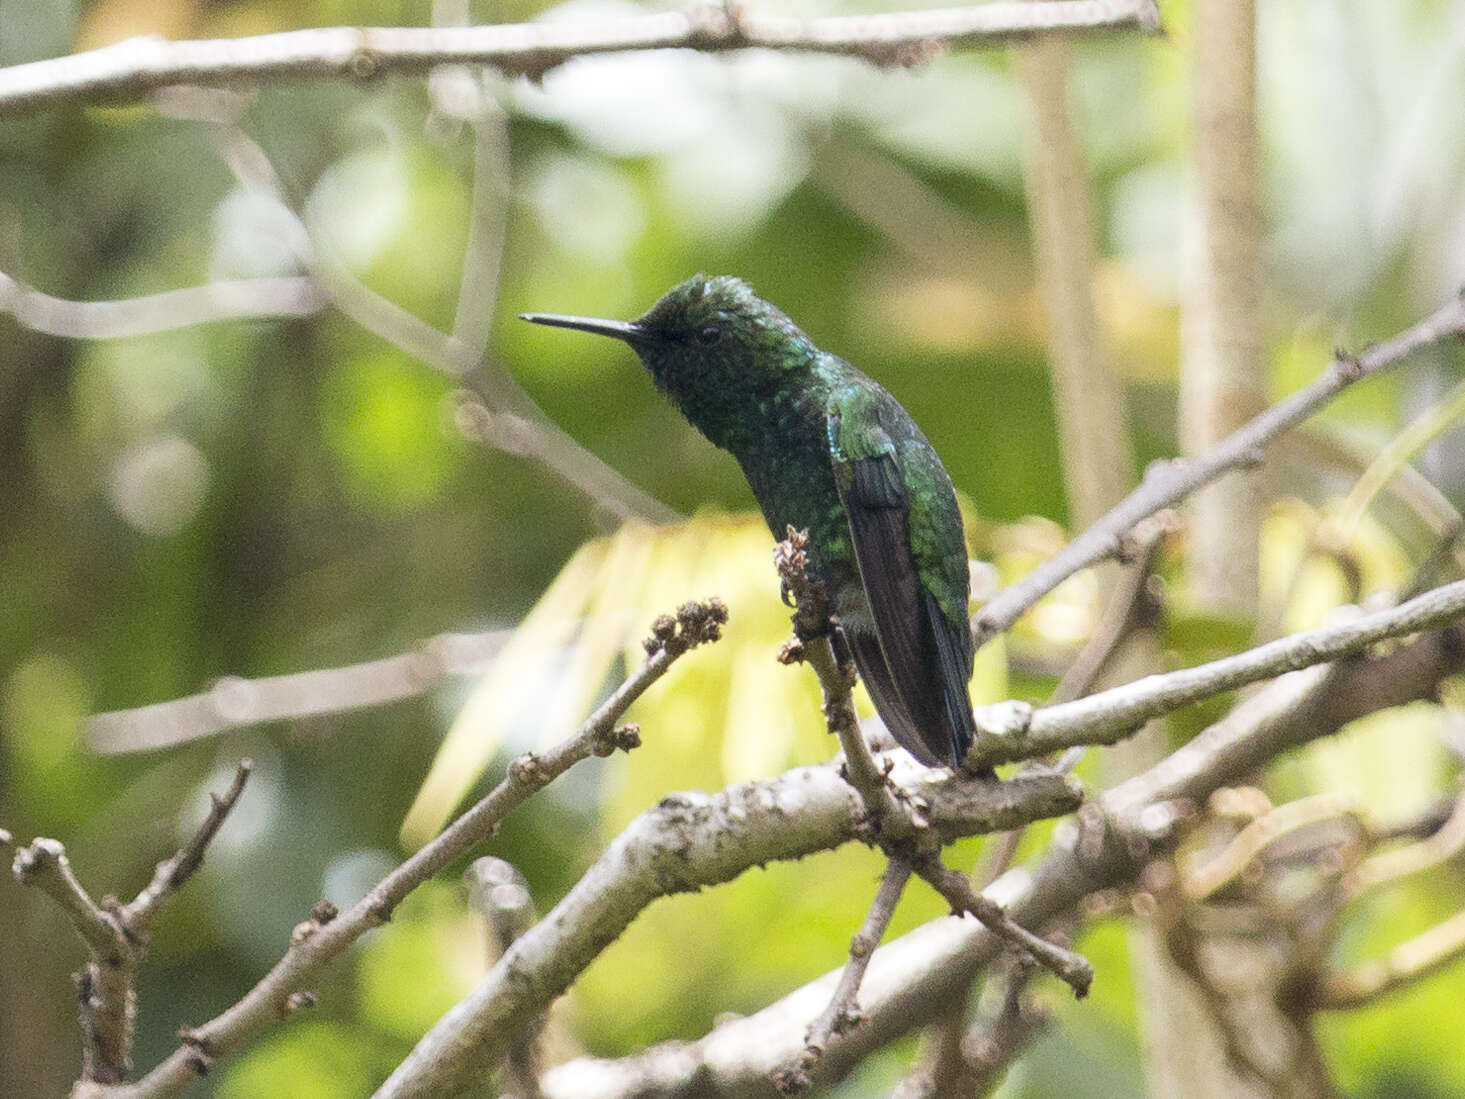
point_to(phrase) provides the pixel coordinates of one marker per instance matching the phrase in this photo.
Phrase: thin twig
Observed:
(501, 893)
(1410, 961)
(843, 1011)
(116, 936)
(686, 842)
(912, 978)
(1013, 731)
(511, 419)
(1389, 866)
(1126, 607)
(238, 299)
(1166, 483)
(105, 991)
(890, 817)
(137, 65)
(896, 822)
(233, 702)
(1074, 969)
(326, 936)
(977, 1060)
(45, 866)
(172, 873)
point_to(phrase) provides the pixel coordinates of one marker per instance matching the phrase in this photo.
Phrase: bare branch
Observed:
(116, 937)
(107, 1001)
(900, 828)
(326, 935)
(1130, 603)
(1167, 483)
(1410, 961)
(911, 979)
(843, 1011)
(1012, 731)
(233, 702)
(976, 1061)
(44, 865)
(686, 842)
(499, 891)
(137, 65)
(1073, 969)
(174, 872)
(241, 299)
(1389, 866)
(890, 817)
(511, 419)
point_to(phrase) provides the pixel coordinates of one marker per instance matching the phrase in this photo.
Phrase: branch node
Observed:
(364, 64)
(303, 931)
(300, 1001)
(324, 912)
(626, 737)
(41, 855)
(663, 629)
(696, 623)
(195, 1039)
(525, 771)
(1348, 365)
(792, 1081)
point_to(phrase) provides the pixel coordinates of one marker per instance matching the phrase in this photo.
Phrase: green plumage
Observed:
(827, 449)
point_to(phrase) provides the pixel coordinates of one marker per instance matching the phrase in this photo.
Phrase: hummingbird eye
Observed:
(709, 335)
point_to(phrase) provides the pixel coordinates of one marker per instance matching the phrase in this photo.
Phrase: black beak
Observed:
(628, 331)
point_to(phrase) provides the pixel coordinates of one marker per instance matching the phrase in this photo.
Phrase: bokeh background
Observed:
(262, 497)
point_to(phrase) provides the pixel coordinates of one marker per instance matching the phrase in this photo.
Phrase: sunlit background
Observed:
(262, 497)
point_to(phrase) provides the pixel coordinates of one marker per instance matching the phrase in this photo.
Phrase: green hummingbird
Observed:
(827, 449)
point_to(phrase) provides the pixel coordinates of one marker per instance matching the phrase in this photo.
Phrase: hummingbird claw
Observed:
(784, 592)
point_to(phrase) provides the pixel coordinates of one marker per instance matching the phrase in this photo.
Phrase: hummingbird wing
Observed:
(916, 663)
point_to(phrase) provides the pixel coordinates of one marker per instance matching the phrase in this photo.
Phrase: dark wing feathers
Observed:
(876, 676)
(954, 651)
(915, 666)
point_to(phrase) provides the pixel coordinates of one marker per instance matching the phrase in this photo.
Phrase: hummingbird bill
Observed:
(828, 450)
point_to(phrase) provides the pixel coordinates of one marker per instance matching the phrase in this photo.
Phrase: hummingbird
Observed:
(828, 450)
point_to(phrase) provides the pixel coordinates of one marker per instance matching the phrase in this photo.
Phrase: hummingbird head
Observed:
(709, 343)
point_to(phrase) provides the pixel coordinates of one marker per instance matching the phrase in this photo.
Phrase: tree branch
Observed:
(910, 979)
(326, 935)
(116, 936)
(1410, 961)
(843, 1011)
(130, 68)
(239, 299)
(1168, 482)
(172, 873)
(890, 817)
(686, 842)
(500, 892)
(1012, 731)
(233, 702)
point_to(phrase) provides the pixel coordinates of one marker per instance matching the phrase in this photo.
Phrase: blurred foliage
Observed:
(264, 497)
